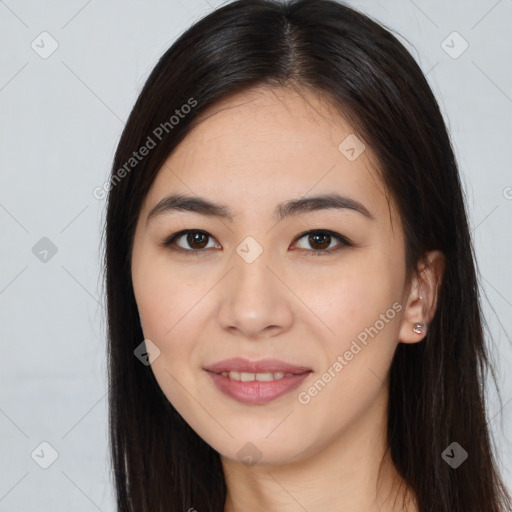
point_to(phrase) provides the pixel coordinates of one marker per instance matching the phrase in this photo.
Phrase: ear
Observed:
(422, 299)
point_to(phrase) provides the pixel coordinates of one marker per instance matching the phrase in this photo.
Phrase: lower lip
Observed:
(256, 392)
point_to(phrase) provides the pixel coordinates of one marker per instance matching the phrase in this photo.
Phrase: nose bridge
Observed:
(252, 261)
(254, 299)
(249, 250)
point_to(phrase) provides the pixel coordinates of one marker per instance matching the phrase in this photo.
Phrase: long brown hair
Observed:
(436, 386)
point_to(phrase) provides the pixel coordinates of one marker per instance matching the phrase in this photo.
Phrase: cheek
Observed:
(348, 301)
(164, 293)
(365, 317)
(169, 305)
(174, 306)
(362, 313)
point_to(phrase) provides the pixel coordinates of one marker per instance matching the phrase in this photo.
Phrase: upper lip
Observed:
(239, 364)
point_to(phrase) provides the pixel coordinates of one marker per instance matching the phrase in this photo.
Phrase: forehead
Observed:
(265, 146)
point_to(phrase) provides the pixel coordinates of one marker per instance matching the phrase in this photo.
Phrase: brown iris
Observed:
(193, 238)
(313, 239)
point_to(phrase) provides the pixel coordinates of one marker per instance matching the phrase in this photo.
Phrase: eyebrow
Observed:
(202, 206)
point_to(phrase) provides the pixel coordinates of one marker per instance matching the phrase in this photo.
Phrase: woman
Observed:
(293, 309)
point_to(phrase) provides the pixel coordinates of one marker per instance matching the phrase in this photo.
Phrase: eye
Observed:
(197, 241)
(321, 239)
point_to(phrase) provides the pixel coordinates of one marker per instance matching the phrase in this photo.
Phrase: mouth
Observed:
(256, 382)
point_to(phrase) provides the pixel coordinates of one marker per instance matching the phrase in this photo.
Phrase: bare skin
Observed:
(316, 451)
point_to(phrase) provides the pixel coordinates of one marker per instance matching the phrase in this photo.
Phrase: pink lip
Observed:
(239, 364)
(256, 392)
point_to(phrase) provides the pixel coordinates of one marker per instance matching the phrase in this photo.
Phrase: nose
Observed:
(255, 301)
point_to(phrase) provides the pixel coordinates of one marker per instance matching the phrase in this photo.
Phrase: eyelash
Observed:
(344, 242)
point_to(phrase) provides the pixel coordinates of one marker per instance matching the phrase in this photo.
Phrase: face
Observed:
(317, 285)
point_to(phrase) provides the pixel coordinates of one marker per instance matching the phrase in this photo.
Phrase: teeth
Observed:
(249, 377)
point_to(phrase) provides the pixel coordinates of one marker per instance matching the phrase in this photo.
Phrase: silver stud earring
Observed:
(418, 328)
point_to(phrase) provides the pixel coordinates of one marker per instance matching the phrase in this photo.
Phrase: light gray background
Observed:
(61, 118)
